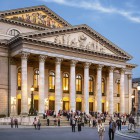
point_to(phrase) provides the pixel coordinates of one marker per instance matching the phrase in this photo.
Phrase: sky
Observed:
(117, 20)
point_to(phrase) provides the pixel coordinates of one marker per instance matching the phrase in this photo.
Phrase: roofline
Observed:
(32, 8)
(82, 26)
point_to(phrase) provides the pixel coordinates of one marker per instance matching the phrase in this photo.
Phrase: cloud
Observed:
(95, 5)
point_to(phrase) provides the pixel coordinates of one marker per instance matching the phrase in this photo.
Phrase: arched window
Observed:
(36, 79)
(13, 32)
(19, 79)
(91, 84)
(103, 87)
(51, 81)
(118, 88)
(65, 83)
(78, 84)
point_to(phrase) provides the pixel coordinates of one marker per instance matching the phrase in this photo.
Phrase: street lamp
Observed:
(132, 96)
(138, 111)
(32, 112)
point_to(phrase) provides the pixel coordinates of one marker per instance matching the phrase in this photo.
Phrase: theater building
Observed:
(70, 67)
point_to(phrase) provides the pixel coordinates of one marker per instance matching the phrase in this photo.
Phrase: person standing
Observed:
(73, 124)
(38, 124)
(79, 122)
(35, 122)
(119, 123)
(112, 129)
(12, 122)
(16, 122)
(58, 121)
(48, 122)
(101, 130)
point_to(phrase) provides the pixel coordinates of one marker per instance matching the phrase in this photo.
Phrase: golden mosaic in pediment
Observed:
(38, 18)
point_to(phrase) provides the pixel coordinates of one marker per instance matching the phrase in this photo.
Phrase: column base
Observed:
(24, 114)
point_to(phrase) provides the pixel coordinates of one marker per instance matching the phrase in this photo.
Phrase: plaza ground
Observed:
(62, 133)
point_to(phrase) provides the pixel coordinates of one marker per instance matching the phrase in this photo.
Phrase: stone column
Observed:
(86, 88)
(24, 92)
(99, 88)
(122, 95)
(58, 93)
(130, 92)
(41, 84)
(111, 101)
(72, 86)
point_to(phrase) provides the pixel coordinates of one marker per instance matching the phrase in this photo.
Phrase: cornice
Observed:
(35, 8)
(131, 66)
(44, 43)
(82, 27)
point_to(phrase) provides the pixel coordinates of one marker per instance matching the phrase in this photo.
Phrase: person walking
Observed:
(101, 130)
(119, 124)
(73, 124)
(16, 122)
(35, 123)
(79, 122)
(38, 124)
(48, 122)
(58, 121)
(112, 129)
(12, 122)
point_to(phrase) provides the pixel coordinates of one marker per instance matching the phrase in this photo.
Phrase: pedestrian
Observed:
(12, 122)
(48, 122)
(16, 122)
(58, 121)
(119, 123)
(112, 129)
(101, 130)
(79, 122)
(55, 122)
(73, 124)
(38, 124)
(35, 123)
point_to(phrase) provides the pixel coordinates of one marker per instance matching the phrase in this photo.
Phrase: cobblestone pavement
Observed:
(128, 133)
(52, 133)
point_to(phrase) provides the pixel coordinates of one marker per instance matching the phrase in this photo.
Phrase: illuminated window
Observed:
(19, 79)
(36, 79)
(65, 83)
(78, 84)
(118, 88)
(103, 87)
(52, 82)
(91, 85)
(13, 32)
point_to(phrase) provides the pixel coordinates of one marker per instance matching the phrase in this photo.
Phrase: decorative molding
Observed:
(42, 58)
(58, 60)
(111, 69)
(87, 65)
(99, 67)
(73, 62)
(24, 55)
(122, 70)
(129, 76)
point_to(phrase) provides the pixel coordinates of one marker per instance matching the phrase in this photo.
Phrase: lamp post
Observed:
(132, 111)
(138, 111)
(31, 112)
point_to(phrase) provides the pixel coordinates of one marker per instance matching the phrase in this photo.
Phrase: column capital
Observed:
(42, 58)
(24, 55)
(73, 62)
(100, 66)
(111, 68)
(122, 70)
(87, 65)
(129, 76)
(58, 60)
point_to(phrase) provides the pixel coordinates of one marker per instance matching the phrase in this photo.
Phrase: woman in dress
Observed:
(101, 130)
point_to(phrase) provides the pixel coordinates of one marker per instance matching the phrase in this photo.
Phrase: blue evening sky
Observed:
(117, 20)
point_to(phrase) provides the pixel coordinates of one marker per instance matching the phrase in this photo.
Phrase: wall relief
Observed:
(38, 17)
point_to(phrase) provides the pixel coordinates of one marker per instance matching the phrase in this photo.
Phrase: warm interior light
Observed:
(132, 96)
(32, 88)
(138, 87)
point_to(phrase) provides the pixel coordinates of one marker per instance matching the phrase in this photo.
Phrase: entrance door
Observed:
(79, 106)
(51, 105)
(19, 106)
(90, 106)
(103, 108)
(66, 105)
(36, 105)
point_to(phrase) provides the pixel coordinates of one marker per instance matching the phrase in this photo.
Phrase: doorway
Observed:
(90, 106)
(51, 105)
(66, 105)
(103, 105)
(19, 106)
(36, 105)
(79, 106)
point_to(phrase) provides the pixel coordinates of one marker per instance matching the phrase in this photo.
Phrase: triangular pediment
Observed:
(38, 15)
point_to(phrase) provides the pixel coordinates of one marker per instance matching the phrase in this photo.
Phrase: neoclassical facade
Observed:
(70, 67)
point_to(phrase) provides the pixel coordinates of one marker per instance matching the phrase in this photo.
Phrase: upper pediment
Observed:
(39, 15)
(78, 40)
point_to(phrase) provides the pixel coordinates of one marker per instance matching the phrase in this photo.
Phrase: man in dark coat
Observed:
(73, 123)
(112, 129)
